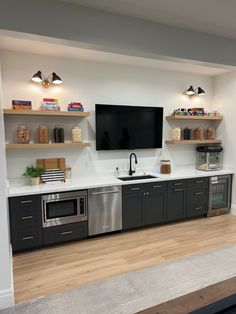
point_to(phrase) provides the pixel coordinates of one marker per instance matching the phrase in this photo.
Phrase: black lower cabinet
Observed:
(143, 205)
(65, 233)
(132, 210)
(25, 222)
(197, 209)
(176, 204)
(154, 207)
(198, 197)
(28, 239)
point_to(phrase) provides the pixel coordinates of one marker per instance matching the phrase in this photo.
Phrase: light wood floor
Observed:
(56, 269)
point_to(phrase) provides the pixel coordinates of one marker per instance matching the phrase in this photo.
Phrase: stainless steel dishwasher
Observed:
(104, 209)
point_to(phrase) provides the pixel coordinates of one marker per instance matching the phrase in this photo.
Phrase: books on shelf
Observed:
(50, 104)
(21, 105)
(75, 106)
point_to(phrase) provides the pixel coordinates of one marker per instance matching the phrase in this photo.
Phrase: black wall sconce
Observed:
(194, 92)
(46, 81)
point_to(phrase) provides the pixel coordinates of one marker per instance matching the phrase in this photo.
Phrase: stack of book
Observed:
(75, 106)
(21, 105)
(50, 104)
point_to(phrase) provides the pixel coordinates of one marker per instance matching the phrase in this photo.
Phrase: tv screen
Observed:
(128, 127)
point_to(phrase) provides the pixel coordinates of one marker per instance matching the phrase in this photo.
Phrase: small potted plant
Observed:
(34, 173)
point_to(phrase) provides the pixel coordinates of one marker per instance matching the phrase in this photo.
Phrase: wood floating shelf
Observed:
(182, 117)
(45, 113)
(50, 145)
(194, 142)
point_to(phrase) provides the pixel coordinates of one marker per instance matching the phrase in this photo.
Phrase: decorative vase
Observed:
(35, 181)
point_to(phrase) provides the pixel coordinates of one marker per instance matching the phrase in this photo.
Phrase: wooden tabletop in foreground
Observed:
(195, 300)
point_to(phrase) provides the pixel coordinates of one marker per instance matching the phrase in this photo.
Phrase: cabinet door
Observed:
(176, 203)
(132, 210)
(154, 207)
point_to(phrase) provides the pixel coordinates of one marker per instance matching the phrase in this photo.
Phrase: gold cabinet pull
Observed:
(26, 217)
(157, 186)
(134, 189)
(27, 238)
(66, 232)
(200, 181)
(197, 208)
(178, 190)
(198, 193)
(26, 202)
(180, 183)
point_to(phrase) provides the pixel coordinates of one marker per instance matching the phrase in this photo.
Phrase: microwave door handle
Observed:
(78, 207)
(44, 210)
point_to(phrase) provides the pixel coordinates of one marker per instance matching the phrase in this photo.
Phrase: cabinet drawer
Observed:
(65, 233)
(197, 209)
(29, 201)
(25, 218)
(200, 193)
(132, 188)
(26, 239)
(177, 184)
(156, 186)
(194, 183)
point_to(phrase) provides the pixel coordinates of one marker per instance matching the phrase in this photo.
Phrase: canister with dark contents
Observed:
(165, 166)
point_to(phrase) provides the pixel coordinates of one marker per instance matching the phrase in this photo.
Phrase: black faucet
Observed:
(130, 163)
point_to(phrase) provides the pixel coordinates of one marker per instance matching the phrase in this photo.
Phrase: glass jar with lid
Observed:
(210, 134)
(43, 134)
(199, 134)
(76, 134)
(58, 134)
(165, 167)
(23, 134)
(176, 134)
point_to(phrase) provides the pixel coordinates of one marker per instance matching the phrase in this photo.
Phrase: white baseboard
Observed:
(6, 299)
(233, 209)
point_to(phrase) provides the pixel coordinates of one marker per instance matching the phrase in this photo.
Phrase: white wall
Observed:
(6, 289)
(91, 83)
(224, 101)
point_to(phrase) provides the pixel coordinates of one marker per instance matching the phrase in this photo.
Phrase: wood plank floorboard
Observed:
(56, 269)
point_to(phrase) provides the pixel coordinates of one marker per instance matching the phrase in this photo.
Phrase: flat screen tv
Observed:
(128, 127)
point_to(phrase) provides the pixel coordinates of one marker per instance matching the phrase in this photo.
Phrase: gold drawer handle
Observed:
(27, 238)
(178, 183)
(157, 186)
(198, 193)
(199, 181)
(66, 232)
(26, 217)
(197, 208)
(178, 190)
(134, 189)
(26, 202)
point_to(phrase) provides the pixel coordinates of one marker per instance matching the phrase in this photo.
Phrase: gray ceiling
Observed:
(208, 16)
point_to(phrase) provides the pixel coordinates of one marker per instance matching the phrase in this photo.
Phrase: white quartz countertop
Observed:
(102, 181)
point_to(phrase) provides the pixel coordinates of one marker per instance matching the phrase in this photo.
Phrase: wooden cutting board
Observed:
(52, 163)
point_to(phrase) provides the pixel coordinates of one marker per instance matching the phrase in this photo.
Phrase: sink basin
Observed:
(132, 178)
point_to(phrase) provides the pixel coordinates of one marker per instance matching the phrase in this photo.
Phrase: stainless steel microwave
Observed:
(63, 208)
